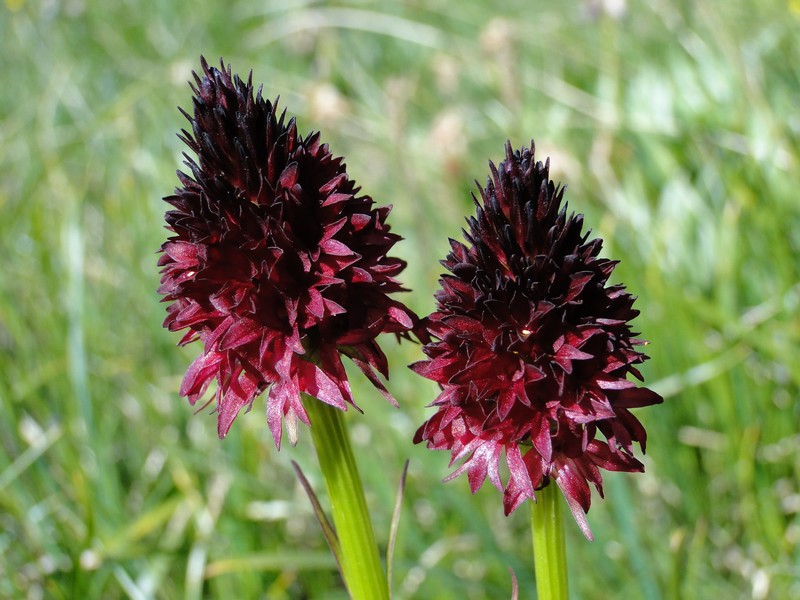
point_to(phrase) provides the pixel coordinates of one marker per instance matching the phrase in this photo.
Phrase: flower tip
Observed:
(585, 529)
(509, 150)
(223, 426)
(579, 514)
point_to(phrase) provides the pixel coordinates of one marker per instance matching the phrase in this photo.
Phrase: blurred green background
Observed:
(676, 126)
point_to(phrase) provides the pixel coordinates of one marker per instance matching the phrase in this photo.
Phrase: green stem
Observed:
(361, 565)
(549, 550)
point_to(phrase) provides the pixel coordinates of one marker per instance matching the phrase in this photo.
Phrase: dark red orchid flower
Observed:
(276, 263)
(532, 348)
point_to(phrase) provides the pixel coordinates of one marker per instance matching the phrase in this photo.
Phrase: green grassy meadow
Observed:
(675, 126)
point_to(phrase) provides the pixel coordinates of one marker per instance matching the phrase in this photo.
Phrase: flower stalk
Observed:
(361, 566)
(549, 550)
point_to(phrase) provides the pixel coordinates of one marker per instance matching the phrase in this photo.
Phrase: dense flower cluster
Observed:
(276, 264)
(532, 349)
